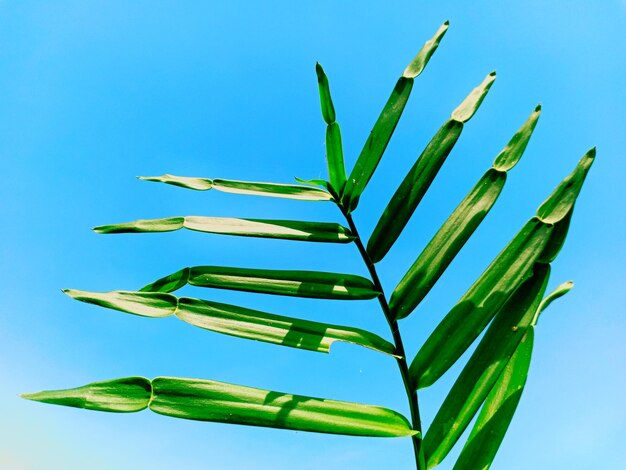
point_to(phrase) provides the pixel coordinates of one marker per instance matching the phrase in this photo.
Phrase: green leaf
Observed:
(446, 244)
(288, 191)
(484, 367)
(282, 229)
(460, 327)
(235, 321)
(314, 182)
(410, 192)
(334, 157)
(498, 410)
(460, 226)
(418, 64)
(385, 125)
(328, 110)
(562, 200)
(415, 184)
(511, 154)
(120, 396)
(209, 400)
(558, 292)
(468, 107)
(315, 284)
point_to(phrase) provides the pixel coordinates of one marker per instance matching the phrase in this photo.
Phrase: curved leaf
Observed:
(470, 105)
(558, 292)
(446, 243)
(283, 229)
(511, 154)
(385, 125)
(315, 284)
(484, 367)
(236, 321)
(209, 400)
(288, 191)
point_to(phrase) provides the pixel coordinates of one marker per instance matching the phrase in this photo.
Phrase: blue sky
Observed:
(94, 93)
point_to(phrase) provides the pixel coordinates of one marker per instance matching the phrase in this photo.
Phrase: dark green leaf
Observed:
(476, 308)
(498, 410)
(235, 321)
(446, 243)
(334, 157)
(209, 400)
(282, 229)
(328, 110)
(406, 198)
(288, 191)
(484, 367)
(313, 284)
(120, 395)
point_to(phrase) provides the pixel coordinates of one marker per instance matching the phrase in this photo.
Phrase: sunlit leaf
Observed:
(289, 191)
(209, 400)
(313, 284)
(235, 321)
(283, 229)
(469, 106)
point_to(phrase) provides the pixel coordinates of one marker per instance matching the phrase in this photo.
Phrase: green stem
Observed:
(411, 393)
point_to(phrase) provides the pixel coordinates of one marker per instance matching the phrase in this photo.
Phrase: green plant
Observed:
(506, 299)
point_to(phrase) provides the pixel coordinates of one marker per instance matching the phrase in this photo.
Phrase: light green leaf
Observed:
(469, 106)
(235, 321)
(460, 327)
(484, 367)
(283, 229)
(288, 191)
(418, 64)
(385, 125)
(120, 396)
(328, 110)
(562, 200)
(209, 400)
(446, 243)
(558, 292)
(497, 412)
(314, 182)
(410, 192)
(511, 154)
(313, 284)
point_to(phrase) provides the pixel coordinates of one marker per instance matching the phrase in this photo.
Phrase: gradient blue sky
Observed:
(94, 93)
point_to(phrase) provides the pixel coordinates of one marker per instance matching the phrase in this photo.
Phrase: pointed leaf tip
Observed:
(417, 65)
(511, 154)
(472, 102)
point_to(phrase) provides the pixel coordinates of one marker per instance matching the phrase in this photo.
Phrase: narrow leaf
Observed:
(410, 192)
(558, 292)
(460, 327)
(121, 395)
(498, 410)
(484, 367)
(418, 64)
(446, 244)
(209, 400)
(510, 155)
(288, 191)
(469, 106)
(385, 125)
(334, 157)
(328, 110)
(235, 321)
(313, 284)
(282, 229)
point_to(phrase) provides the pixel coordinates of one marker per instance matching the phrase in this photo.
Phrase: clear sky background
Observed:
(94, 93)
